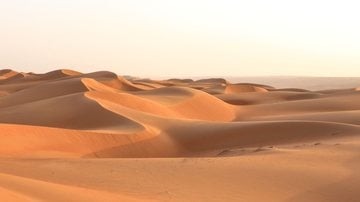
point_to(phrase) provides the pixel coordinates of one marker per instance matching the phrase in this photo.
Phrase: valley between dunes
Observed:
(71, 136)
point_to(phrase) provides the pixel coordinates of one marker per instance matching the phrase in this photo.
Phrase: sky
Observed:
(182, 38)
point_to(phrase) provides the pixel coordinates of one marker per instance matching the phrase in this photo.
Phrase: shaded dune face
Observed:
(106, 115)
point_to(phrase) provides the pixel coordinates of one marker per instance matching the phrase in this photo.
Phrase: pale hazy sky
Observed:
(182, 37)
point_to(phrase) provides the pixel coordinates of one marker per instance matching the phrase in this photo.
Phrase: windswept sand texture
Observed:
(70, 136)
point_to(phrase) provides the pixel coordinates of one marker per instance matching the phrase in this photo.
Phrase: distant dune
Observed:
(302, 82)
(71, 136)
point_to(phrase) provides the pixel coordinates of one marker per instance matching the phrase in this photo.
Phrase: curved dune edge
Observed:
(45, 142)
(74, 111)
(175, 117)
(194, 105)
(179, 140)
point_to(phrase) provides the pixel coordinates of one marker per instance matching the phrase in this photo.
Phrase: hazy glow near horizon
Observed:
(182, 38)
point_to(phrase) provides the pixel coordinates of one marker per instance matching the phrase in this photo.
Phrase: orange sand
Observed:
(69, 136)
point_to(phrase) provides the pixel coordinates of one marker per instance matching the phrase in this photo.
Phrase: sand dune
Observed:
(65, 135)
(73, 111)
(253, 98)
(59, 74)
(6, 73)
(243, 88)
(122, 84)
(44, 91)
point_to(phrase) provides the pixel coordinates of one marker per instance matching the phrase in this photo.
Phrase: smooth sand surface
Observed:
(72, 136)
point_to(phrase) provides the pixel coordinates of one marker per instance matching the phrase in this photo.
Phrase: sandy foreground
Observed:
(71, 136)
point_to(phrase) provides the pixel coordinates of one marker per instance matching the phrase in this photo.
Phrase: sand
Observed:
(71, 136)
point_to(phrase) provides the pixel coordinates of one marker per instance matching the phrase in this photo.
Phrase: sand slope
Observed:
(65, 134)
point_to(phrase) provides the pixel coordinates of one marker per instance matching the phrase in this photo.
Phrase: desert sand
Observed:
(72, 136)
